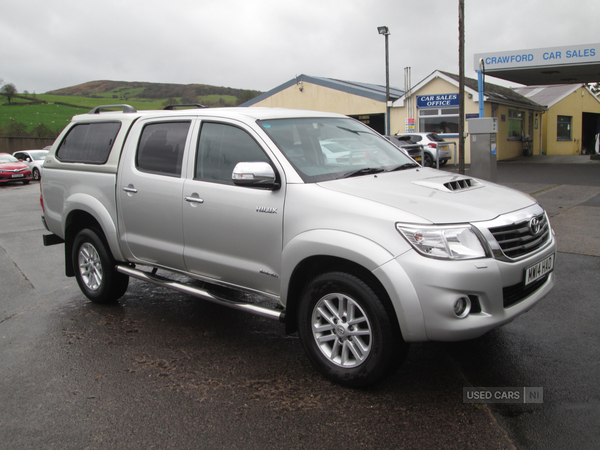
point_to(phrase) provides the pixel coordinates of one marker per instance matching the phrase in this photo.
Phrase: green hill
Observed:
(45, 115)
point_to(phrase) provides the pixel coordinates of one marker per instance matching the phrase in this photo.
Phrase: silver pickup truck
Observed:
(331, 229)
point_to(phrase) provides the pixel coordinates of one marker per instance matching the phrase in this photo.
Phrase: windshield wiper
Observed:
(404, 167)
(363, 171)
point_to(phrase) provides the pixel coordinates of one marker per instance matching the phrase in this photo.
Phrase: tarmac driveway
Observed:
(162, 370)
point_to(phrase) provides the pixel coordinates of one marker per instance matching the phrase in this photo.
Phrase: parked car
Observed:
(11, 169)
(430, 141)
(415, 151)
(34, 160)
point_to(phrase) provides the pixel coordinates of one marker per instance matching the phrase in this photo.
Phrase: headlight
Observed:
(449, 242)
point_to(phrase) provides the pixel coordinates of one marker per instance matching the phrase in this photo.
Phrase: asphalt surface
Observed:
(163, 370)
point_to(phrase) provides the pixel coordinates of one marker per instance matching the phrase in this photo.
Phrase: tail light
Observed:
(41, 199)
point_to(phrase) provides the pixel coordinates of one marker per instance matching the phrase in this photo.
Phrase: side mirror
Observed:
(255, 174)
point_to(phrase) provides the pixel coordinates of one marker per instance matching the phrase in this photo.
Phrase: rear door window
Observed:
(161, 148)
(88, 143)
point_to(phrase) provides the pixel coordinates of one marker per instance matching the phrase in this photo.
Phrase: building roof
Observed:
(371, 91)
(550, 95)
(491, 92)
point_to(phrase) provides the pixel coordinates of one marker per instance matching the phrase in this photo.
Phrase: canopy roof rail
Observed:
(191, 105)
(126, 108)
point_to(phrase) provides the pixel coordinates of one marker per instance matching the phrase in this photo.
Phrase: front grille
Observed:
(516, 293)
(517, 240)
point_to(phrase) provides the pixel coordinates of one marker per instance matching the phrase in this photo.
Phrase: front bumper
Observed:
(8, 177)
(495, 288)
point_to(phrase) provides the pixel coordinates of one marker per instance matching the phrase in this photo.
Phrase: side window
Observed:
(161, 147)
(88, 143)
(220, 148)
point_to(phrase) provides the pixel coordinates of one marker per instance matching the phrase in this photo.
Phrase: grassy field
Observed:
(56, 115)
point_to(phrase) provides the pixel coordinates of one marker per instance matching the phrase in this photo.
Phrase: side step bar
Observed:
(269, 313)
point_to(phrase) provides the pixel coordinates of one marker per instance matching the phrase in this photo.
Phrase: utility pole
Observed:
(461, 86)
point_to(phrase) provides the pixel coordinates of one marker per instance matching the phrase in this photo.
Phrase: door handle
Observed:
(130, 189)
(194, 200)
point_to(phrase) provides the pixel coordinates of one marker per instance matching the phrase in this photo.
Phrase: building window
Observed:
(438, 120)
(515, 124)
(563, 128)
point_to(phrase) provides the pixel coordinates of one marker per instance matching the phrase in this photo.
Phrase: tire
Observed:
(428, 160)
(36, 174)
(443, 162)
(26, 181)
(95, 269)
(346, 331)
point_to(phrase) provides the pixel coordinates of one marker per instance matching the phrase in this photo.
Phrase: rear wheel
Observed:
(428, 160)
(95, 269)
(347, 332)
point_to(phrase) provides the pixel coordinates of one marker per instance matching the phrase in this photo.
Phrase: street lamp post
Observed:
(386, 32)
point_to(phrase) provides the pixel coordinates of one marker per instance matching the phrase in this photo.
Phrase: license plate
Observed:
(538, 270)
(444, 147)
(18, 175)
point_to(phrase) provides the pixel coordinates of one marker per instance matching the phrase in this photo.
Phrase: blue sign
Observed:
(437, 101)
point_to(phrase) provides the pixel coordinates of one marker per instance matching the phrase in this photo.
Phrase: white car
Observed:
(34, 160)
(429, 141)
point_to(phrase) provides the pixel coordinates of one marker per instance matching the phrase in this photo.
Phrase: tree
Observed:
(9, 90)
(170, 101)
(246, 96)
(17, 129)
(189, 97)
(43, 131)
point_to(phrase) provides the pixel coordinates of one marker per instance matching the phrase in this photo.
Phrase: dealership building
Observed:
(556, 114)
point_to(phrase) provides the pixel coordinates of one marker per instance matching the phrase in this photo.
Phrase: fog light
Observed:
(462, 307)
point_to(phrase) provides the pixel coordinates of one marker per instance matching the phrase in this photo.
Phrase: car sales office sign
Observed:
(437, 101)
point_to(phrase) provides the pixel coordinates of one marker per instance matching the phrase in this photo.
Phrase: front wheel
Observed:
(36, 174)
(347, 332)
(95, 269)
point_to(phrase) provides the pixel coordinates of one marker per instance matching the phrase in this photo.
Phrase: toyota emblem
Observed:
(535, 225)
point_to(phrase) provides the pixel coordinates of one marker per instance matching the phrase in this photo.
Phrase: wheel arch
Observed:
(85, 211)
(320, 251)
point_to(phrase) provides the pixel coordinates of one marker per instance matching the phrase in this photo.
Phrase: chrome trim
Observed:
(203, 294)
(522, 215)
(194, 200)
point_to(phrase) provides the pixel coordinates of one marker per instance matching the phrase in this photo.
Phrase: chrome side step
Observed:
(262, 311)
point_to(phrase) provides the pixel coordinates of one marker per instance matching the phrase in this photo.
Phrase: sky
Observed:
(260, 44)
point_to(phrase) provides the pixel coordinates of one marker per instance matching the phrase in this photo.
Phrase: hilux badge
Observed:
(266, 209)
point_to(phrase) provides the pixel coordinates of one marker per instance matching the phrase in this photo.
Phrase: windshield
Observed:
(6, 158)
(328, 148)
(39, 155)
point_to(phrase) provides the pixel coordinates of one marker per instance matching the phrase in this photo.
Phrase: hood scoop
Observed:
(450, 183)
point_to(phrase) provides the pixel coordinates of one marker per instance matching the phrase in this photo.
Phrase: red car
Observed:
(11, 169)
